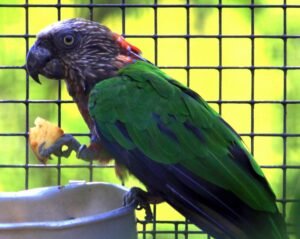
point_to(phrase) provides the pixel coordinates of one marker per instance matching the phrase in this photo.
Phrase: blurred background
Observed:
(242, 56)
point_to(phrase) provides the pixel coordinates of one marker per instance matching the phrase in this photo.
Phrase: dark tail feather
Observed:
(278, 226)
(266, 227)
(219, 212)
(204, 217)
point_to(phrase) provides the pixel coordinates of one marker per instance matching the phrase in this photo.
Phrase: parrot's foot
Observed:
(64, 146)
(139, 198)
(61, 148)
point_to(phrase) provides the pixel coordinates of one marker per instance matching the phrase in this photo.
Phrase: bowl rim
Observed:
(66, 223)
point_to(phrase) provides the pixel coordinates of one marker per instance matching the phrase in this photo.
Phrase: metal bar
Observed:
(91, 10)
(188, 77)
(53, 166)
(284, 164)
(286, 102)
(26, 186)
(284, 36)
(26, 134)
(91, 13)
(252, 79)
(59, 102)
(241, 134)
(203, 67)
(155, 22)
(155, 5)
(220, 59)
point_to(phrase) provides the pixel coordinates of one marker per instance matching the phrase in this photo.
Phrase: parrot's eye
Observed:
(66, 40)
(69, 40)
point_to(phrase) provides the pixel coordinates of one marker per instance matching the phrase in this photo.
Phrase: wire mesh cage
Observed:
(241, 56)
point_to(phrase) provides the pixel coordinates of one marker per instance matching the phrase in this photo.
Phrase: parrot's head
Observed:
(79, 50)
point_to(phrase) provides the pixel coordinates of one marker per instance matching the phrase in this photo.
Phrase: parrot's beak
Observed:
(41, 61)
(37, 58)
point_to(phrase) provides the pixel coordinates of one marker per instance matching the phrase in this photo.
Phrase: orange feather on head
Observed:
(130, 51)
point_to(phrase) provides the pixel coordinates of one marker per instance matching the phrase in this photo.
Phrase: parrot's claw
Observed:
(139, 198)
(61, 148)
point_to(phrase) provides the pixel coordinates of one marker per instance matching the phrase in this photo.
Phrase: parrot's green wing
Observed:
(172, 127)
(146, 113)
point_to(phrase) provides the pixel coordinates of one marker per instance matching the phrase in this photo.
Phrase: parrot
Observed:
(157, 129)
(294, 217)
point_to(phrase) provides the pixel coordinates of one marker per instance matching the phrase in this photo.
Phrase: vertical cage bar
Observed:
(220, 67)
(188, 41)
(27, 98)
(155, 33)
(91, 163)
(188, 52)
(123, 17)
(284, 182)
(154, 208)
(176, 231)
(252, 71)
(91, 10)
(59, 103)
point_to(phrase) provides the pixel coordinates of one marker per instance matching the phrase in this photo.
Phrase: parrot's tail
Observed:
(222, 214)
(219, 226)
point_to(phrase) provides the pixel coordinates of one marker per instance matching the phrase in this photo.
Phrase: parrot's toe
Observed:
(44, 152)
(139, 198)
(61, 148)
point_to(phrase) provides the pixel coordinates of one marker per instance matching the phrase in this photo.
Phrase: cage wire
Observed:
(241, 56)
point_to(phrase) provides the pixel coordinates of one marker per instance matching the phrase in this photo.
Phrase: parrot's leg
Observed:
(64, 146)
(142, 200)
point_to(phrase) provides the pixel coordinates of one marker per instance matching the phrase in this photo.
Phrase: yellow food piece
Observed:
(43, 132)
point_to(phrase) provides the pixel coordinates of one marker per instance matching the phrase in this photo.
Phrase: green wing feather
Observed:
(141, 95)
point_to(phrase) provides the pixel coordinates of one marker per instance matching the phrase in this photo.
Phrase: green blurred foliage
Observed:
(236, 84)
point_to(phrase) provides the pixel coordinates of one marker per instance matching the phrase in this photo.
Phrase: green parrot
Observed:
(161, 131)
(294, 215)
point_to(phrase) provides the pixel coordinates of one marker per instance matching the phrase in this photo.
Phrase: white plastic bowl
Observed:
(76, 211)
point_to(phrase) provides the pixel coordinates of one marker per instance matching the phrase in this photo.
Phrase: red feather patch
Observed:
(126, 47)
